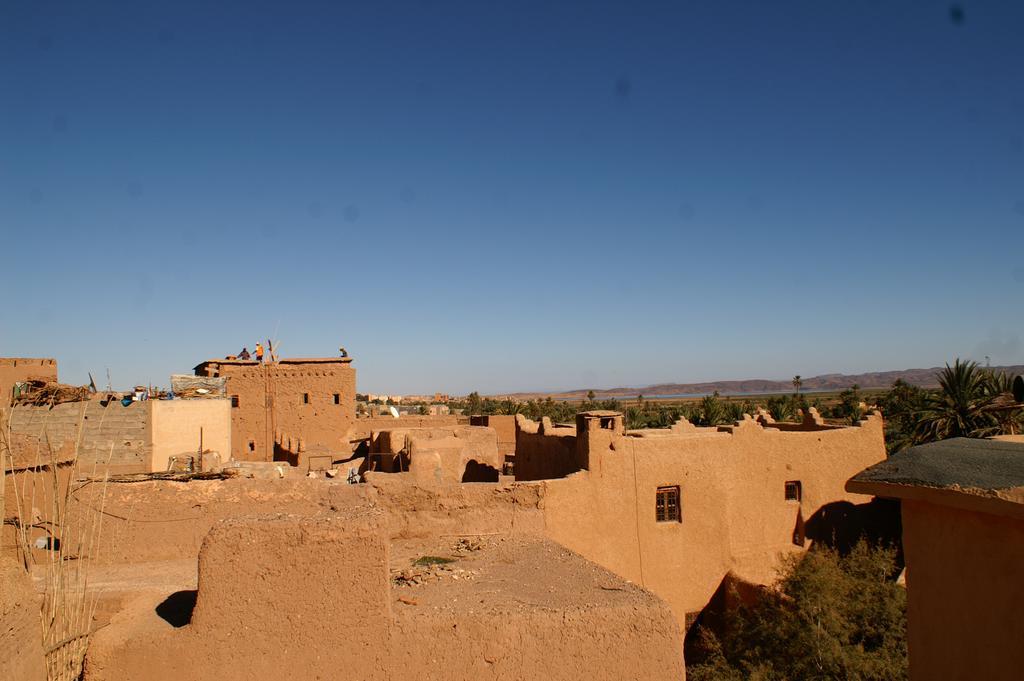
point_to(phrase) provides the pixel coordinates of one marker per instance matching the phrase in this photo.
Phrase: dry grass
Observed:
(46, 508)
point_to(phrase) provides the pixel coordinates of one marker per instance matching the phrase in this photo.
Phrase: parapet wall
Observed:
(543, 451)
(364, 427)
(504, 426)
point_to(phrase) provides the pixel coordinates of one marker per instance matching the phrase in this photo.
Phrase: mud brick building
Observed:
(282, 408)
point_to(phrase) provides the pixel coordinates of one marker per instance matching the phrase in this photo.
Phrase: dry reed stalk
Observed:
(75, 530)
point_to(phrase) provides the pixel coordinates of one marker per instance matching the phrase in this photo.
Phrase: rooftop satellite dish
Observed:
(394, 412)
(1018, 388)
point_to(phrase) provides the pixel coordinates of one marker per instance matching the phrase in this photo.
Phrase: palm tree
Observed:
(958, 410)
(712, 411)
(510, 407)
(797, 383)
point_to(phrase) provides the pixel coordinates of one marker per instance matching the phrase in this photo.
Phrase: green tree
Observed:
(797, 383)
(712, 413)
(509, 407)
(849, 405)
(781, 407)
(958, 409)
(829, 617)
(473, 403)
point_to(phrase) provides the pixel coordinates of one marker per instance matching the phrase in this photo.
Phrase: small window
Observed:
(305, 398)
(337, 398)
(234, 401)
(252, 445)
(666, 505)
(794, 491)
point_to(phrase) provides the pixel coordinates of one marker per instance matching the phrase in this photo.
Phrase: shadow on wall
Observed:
(731, 594)
(177, 608)
(841, 524)
(838, 525)
(479, 472)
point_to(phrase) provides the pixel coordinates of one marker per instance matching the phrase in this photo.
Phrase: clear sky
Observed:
(513, 196)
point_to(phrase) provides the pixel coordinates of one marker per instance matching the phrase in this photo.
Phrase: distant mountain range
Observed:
(925, 378)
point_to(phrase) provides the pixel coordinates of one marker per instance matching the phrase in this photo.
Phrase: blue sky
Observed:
(513, 196)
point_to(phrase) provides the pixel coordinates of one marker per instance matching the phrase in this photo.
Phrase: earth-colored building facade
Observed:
(743, 495)
(285, 407)
(963, 541)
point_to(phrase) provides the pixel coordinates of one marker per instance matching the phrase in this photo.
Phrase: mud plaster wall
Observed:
(436, 453)
(450, 459)
(272, 408)
(310, 597)
(504, 426)
(543, 454)
(166, 521)
(114, 433)
(179, 425)
(732, 488)
(964, 593)
(21, 646)
(16, 369)
(365, 427)
(287, 596)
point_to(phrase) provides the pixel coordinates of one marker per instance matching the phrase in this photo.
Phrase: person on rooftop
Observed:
(244, 354)
(259, 352)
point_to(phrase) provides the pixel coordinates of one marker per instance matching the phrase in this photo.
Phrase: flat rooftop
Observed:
(990, 470)
(502, 574)
(288, 360)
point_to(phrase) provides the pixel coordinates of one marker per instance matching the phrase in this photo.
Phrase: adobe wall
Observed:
(732, 487)
(298, 597)
(964, 593)
(544, 452)
(436, 454)
(462, 457)
(504, 426)
(178, 426)
(536, 611)
(149, 522)
(113, 434)
(311, 598)
(272, 407)
(21, 644)
(365, 427)
(16, 369)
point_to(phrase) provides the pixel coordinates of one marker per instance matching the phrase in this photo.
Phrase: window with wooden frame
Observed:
(666, 505)
(794, 490)
(234, 401)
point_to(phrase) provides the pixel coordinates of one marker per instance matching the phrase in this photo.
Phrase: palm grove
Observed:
(971, 401)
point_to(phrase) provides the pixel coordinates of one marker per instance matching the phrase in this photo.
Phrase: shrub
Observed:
(828, 617)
